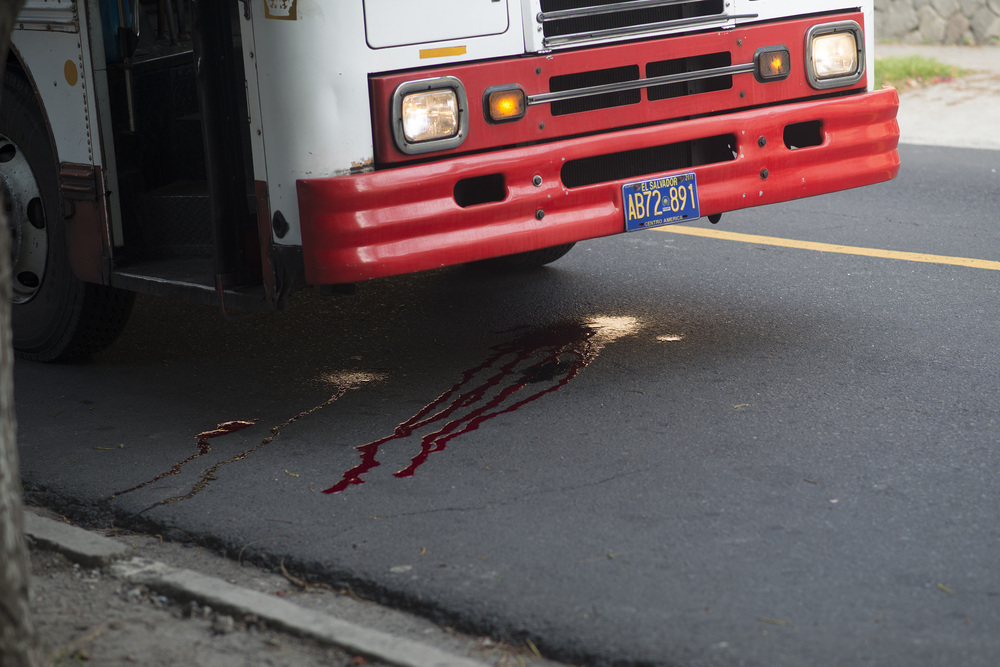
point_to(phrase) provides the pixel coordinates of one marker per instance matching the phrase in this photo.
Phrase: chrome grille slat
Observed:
(597, 10)
(561, 23)
(639, 30)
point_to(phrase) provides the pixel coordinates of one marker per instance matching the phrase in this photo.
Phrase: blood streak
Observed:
(548, 361)
(343, 382)
(515, 374)
(225, 428)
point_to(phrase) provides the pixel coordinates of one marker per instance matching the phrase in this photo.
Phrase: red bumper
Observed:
(406, 219)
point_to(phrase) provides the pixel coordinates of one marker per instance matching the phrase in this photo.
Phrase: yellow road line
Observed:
(831, 247)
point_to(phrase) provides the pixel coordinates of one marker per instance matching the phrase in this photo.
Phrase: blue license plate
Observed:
(660, 201)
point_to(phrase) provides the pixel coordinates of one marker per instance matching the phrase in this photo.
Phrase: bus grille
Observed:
(570, 21)
(589, 91)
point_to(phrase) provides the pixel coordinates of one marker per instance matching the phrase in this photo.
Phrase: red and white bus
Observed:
(231, 151)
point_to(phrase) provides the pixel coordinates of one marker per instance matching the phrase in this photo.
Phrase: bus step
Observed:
(176, 221)
(189, 279)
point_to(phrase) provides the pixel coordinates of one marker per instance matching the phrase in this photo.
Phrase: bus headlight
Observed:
(430, 115)
(835, 54)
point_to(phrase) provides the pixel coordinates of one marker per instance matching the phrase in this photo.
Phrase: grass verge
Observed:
(913, 71)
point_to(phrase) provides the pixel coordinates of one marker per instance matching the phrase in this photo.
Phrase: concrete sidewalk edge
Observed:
(80, 546)
(92, 550)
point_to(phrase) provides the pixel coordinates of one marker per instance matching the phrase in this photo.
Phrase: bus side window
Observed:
(122, 37)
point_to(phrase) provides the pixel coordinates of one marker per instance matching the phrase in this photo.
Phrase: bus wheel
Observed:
(526, 260)
(55, 316)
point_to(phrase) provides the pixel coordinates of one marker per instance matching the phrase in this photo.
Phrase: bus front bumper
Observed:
(409, 219)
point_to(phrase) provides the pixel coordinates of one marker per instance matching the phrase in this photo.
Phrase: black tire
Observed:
(55, 316)
(526, 260)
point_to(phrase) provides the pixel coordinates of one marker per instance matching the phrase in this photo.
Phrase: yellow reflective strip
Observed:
(830, 247)
(443, 52)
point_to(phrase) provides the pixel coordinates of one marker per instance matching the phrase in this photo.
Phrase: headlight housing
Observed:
(430, 115)
(835, 54)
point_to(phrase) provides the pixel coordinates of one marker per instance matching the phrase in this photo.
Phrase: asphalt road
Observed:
(664, 449)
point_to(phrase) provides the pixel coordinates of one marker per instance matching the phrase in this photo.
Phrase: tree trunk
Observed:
(17, 636)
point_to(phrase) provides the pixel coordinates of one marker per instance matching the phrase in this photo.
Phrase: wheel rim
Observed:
(22, 201)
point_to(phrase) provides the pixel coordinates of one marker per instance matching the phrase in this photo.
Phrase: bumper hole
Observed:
(803, 135)
(480, 190)
(646, 161)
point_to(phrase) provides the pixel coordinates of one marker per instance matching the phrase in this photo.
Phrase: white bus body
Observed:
(233, 151)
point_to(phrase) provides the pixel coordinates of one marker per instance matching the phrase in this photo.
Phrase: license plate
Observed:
(660, 201)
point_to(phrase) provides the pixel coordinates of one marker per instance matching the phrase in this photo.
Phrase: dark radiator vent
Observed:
(590, 80)
(684, 66)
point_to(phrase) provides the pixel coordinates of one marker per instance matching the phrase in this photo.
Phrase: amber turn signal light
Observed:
(504, 104)
(772, 63)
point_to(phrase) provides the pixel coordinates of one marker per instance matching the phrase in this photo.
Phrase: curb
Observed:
(75, 543)
(92, 550)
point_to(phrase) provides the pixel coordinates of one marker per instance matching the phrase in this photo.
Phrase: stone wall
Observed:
(938, 21)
